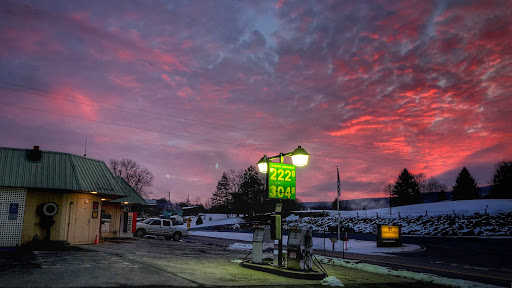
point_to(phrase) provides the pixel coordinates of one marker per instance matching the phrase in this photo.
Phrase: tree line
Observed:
(243, 192)
(411, 189)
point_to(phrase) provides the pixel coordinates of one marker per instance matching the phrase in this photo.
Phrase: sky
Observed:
(192, 89)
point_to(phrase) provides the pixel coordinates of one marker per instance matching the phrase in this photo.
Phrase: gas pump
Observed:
(262, 245)
(300, 249)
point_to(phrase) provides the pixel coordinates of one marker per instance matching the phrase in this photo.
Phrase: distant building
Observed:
(151, 202)
(190, 211)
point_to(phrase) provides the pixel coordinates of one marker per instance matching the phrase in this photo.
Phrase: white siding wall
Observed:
(11, 225)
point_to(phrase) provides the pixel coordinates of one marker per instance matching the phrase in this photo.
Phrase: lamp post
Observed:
(299, 158)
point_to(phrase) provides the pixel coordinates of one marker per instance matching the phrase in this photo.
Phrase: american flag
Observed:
(338, 181)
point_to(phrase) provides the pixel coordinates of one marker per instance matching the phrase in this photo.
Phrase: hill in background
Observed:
(383, 202)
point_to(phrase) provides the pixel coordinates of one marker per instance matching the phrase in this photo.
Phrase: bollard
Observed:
(346, 241)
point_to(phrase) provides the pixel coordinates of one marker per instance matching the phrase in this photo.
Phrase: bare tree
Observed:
(138, 177)
(196, 201)
(207, 204)
(433, 190)
(433, 185)
(421, 180)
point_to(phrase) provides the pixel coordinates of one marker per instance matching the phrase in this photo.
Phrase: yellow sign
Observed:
(390, 232)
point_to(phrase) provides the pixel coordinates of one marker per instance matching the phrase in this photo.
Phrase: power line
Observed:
(266, 135)
(168, 133)
(49, 94)
(122, 125)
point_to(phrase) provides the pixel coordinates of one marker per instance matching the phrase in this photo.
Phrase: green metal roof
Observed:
(56, 170)
(133, 196)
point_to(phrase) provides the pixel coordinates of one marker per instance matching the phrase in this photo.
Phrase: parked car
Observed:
(161, 227)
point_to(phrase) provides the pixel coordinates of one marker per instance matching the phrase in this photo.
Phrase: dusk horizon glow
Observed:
(192, 89)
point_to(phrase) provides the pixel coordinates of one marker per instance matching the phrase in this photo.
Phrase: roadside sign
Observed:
(390, 232)
(389, 235)
(281, 181)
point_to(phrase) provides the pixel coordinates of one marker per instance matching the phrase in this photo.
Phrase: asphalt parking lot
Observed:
(162, 263)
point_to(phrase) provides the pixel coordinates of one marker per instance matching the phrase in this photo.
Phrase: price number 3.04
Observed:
(281, 192)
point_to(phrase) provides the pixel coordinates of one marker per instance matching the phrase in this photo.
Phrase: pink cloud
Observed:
(125, 81)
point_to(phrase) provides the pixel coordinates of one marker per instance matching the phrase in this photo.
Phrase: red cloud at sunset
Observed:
(195, 88)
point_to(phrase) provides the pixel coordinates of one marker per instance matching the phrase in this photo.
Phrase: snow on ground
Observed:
(461, 207)
(240, 246)
(354, 246)
(214, 220)
(332, 281)
(355, 264)
(483, 217)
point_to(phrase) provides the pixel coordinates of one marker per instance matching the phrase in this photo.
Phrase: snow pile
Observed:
(465, 218)
(355, 264)
(332, 281)
(214, 220)
(240, 246)
(292, 217)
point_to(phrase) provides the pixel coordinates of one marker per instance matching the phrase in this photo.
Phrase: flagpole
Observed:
(338, 171)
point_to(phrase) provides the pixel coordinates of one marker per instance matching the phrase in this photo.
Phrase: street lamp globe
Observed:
(262, 164)
(300, 157)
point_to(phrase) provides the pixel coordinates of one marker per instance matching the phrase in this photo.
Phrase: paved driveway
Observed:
(161, 263)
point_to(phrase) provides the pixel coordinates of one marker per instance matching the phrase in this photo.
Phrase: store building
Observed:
(54, 196)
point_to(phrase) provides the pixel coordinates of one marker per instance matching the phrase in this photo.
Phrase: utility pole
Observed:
(338, 171)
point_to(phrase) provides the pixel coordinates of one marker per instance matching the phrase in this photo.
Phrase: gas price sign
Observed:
(281, 181)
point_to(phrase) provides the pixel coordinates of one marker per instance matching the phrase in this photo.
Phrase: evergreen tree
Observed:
(243, 192)
(251, 193)
(222, 197)
(502, 180)
(465, 187)
(406, 190)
